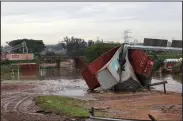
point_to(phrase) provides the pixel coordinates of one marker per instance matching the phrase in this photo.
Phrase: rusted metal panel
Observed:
(142, 65)
(141, 62)
(28, 70)
(97, 64)
(90, 79)
(88, 76)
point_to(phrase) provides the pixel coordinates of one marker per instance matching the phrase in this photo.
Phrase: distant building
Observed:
(176, 43)
(155, 42)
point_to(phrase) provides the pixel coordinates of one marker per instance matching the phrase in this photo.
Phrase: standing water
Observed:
(174, 82)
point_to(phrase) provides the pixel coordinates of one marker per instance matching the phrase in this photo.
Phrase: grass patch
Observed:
(63, 105)
(67, 107)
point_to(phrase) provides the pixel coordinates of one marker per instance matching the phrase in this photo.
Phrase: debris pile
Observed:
(119, 69)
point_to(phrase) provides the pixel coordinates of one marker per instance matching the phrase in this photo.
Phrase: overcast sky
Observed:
(52, 21)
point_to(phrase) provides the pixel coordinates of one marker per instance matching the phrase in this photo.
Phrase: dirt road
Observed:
(17, 98)
(17, 101)
(139, 105)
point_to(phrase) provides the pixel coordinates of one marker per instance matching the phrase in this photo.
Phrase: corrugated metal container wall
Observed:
(155, 42)
(177, 43)
(141, 63)
(108, 76)
(28, 70)
(106, 80)
(88, 76)
(90, 79)
(102, 60)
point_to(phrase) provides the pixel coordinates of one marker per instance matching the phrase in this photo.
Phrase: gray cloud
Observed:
(96, 17)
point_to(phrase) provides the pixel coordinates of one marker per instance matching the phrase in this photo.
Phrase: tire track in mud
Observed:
(17, 105)
(6, 101)
(9, 106)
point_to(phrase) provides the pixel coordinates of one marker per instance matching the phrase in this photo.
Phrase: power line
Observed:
(126, 37)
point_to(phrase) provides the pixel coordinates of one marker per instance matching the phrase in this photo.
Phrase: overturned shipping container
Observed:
(142, 65)
(88, 72)
(155, 42)
(109, 75)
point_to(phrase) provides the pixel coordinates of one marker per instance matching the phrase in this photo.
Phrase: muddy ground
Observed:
(139, 105)
(17, 101)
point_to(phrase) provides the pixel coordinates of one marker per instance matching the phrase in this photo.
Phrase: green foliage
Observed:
(160, 57)
(74, 46)
(50, 53)
(90, 43)
(5, 62)
(97, 50)
(34, 46)
(67, 106)
(177, 68)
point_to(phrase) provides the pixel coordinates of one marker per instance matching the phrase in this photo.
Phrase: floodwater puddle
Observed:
(173, 85)
(63, 87)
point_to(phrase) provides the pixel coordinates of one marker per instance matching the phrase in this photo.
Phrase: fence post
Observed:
(18, 72)
(164, 88)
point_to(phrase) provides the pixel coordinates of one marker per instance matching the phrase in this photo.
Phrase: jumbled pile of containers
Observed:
(120, 69)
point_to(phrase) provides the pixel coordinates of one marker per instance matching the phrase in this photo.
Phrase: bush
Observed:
(96, 50)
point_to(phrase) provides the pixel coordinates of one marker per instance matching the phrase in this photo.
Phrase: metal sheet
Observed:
(176, 43)
(155, 42)
(90, 79)
(114, 66)
(106, 79)
(101, 61)
(88, 76)
(28, 70)
(153, 48)
(27, 56)
(109, 75)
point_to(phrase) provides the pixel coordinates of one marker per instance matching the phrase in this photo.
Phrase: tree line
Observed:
(73, 46)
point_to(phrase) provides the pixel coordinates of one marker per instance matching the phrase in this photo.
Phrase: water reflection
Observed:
(63, 74)
(174, 81)
(177, 77)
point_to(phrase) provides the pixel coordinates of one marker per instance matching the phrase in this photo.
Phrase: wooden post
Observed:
(12, 74)
(164, 88)
(18, 72)
(58, 65)
(91, 111)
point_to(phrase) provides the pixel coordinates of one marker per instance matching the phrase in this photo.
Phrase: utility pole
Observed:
(126, 37)
(98, 39)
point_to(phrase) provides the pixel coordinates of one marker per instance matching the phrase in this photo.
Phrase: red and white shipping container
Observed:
(90, 70)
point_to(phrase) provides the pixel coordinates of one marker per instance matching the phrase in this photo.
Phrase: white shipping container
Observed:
(109, 75)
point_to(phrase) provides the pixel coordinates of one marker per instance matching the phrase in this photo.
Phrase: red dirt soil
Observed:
(17, 87)
(139, 105)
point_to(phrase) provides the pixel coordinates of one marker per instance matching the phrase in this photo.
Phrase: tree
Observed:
(34, 46)
(97, 50)
(1, 49)
(50, 53)
(74, 46)
(90, 43)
